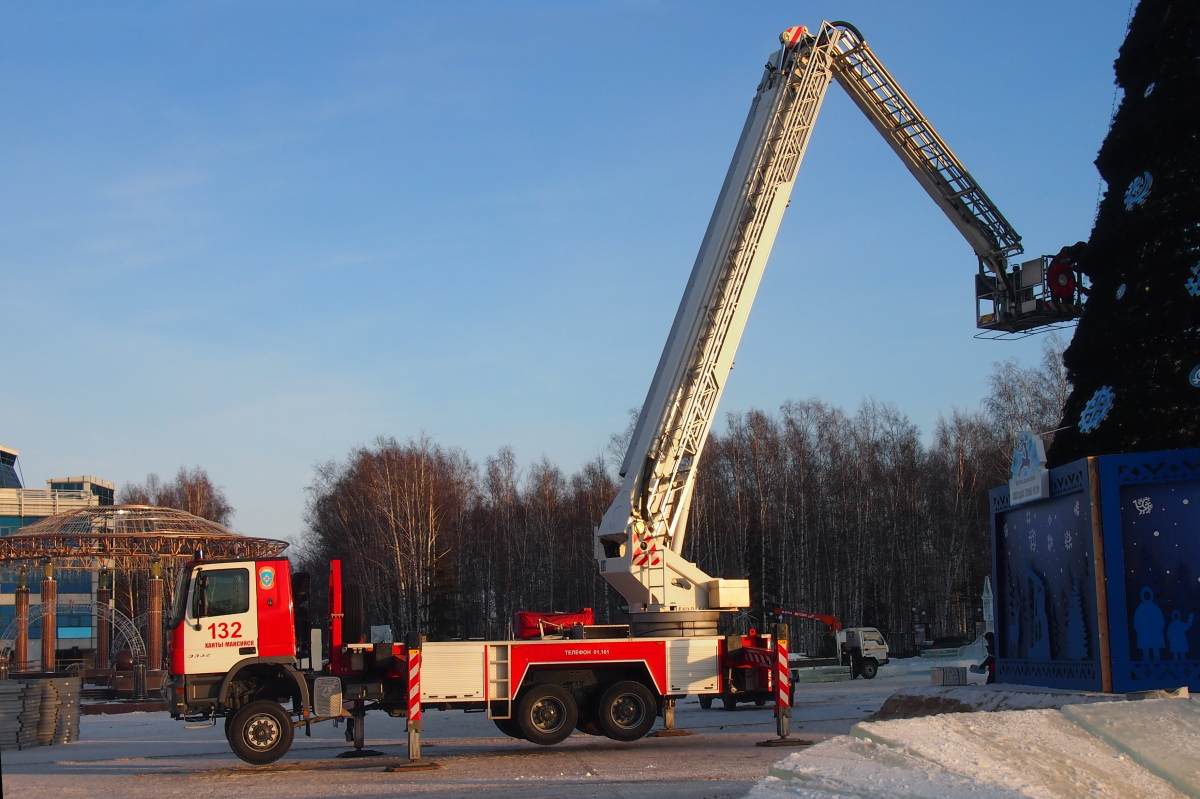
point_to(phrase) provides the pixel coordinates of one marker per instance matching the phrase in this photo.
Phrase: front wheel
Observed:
(626, 711)
(261, 732)
(869, 668)
(547, 714)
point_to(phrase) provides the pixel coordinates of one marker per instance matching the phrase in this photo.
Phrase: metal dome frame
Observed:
(128, 537)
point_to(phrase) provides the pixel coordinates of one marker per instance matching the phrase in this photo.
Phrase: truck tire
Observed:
(588, 726)
(728, 702)
(261, 732)
(547, 714)
(509, 727)
(626, 711)
(706, 701)
(869, 668)
(760, 702)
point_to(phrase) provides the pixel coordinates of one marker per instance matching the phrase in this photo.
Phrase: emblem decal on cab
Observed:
(266, 578)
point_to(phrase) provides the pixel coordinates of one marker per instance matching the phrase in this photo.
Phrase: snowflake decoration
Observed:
(1006, 530)
(1097, 409)
(1138, 191)
(1143, 505)
(1068, 541)
(1028, 516)
(1032, 541)
(1076, 509)
(1049, 543)
(1121, 292)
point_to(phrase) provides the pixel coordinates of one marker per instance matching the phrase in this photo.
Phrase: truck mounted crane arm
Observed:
(639, 542)
(832, 622)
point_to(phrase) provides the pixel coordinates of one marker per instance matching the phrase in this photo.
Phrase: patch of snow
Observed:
(1030, 753)
(1161, 734)
(931, 700)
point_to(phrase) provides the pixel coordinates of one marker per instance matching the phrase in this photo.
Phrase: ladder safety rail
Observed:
(872, 88)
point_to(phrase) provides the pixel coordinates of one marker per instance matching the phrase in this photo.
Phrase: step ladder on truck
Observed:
(238, 648)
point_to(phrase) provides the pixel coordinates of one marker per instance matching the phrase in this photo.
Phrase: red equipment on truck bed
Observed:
(529, 624)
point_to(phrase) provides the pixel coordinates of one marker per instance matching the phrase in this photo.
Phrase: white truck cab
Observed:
(864, 648)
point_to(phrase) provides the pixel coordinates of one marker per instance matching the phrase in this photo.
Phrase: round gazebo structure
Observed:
(136, 543)
(127, 537)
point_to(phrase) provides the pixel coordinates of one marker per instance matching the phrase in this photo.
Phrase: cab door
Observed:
(220, 625)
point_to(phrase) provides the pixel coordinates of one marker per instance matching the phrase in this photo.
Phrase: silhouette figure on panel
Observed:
(1177, 634)
(1148, 623)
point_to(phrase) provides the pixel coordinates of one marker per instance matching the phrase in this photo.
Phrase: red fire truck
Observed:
(234, 656)
(235, 624)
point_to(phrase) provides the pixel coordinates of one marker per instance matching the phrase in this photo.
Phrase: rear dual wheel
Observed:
(547, 714)
(626, 711)
(509, 727)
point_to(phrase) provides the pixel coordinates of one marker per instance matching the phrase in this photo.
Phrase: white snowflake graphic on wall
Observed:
(1006, 529)
(1049, 543)
(1028, 516)
(1143, 505)
(1077, 511)
(1067, 540)
(1032, 541)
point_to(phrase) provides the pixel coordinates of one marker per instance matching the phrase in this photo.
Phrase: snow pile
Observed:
(1166, 741)
(1041, 753)
(928, 701)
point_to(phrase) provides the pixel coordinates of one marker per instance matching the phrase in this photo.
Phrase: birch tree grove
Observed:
(849, 514)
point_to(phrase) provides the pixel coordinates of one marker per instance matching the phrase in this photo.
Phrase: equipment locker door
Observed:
(221, 618)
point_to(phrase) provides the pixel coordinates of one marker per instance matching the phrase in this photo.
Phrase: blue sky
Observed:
(250, 236)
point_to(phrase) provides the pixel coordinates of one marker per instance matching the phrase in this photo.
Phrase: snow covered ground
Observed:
(149, 756)
(1111, 749)
(1120, 749)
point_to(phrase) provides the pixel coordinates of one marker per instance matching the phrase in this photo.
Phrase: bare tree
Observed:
(1029, 399)
(192, 490)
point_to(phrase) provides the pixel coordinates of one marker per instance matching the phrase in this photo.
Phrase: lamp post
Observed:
(21, 655)
(49, 617)
(103, 627)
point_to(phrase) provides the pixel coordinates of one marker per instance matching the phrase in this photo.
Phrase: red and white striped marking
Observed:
(647, 554)
(783, 677)
(414, 685)
(759, 657)
(791, 37)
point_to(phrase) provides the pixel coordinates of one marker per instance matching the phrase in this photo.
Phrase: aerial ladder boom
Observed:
(639, 542)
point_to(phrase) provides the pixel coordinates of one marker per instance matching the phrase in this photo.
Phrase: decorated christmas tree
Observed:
(1134, 363)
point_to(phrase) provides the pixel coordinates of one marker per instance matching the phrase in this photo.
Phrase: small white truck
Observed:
(863, 649)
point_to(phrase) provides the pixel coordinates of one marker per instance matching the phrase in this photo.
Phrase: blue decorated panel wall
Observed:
(1111, 604)
(1151, 505)
(1047, 630)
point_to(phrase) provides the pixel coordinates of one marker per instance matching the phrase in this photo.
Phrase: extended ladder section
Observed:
(643, 531)
(639, 542)
(1015, 308)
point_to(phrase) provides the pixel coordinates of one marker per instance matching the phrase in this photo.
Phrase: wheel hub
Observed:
(262, 732)
(627, 711)
(547, 715)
